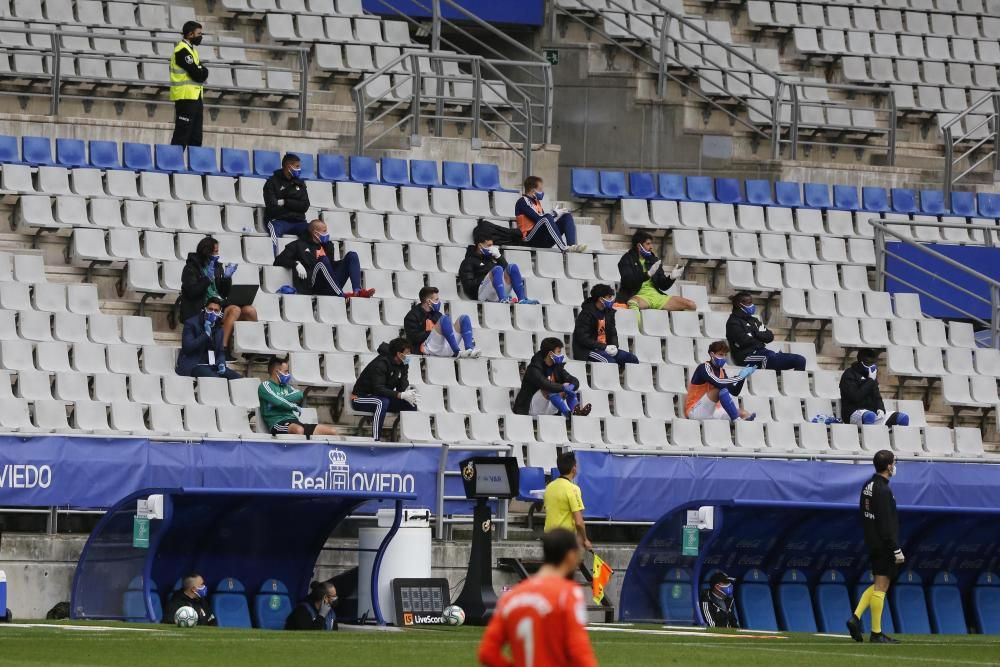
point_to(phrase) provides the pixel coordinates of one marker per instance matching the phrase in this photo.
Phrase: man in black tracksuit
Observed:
(485, 275)
(718, 606)
(595, 337)
(384, 385)
(286, 201)
(194, 594)
(881, 527)
(547, 388)
(748, 338)
(315, 271)
(861, 401)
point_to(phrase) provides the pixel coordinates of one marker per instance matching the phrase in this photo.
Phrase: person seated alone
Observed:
(315, 272)
(433, 333)
(643, 284)
(547, 388)
(316, 612)
(194, 594)
(203, 353)
(281, 404)
(384, 385)
(711, 393)
(595, 337)
(748, 339)
(486, 276)
(544, 230)
(718, 607)
(286, 200)
(860, 399)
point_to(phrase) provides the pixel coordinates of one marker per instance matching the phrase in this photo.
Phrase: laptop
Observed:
(242, 295)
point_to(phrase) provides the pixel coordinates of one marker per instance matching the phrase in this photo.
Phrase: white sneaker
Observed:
(474, 353)
(464, 354)
(579, 247)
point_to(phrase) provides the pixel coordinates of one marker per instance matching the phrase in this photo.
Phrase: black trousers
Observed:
(188, 116)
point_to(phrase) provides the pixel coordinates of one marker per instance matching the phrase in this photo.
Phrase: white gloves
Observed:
(281, 202)
(898, 555)
(676, 272)
(654, 268)
(746, 372)
(611, 350)
(410, 396)
(873, 373)
(495, 251)
(300, 270)
(557, 212)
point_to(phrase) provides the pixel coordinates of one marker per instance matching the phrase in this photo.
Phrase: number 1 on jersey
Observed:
(526, 634)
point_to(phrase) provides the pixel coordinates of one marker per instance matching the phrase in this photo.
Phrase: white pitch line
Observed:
(83, 628)
(681, 633)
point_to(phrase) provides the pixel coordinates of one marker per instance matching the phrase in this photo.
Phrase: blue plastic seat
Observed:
(169, 158)
(583, 183)
(236, 162)
(753, 597)
(104, 155)
(875, 199)
(486, 176)
(394, 171)
(727, 190)
(308, 161)
(266, 163)
(134, 604)
(8, 150)
(641, 185)
(947, 615)
(424, 173)
(832, 603)
(229, 604)
(904, 200)
(676, 603)
(613, 184)
(202, 160)
(71, 153)
(529, 480)
(986, 603)
(700, 188)
(964, 204)
(932, 202)
(817, 195)
(989, 205)
(332, 167)
(795, 603)
(272, 605)
(845, 197)
(759, 192)
(138, 157)
(37, 151)
(910, 604)
(456, 175)
(363, 169)
(788, 193)
(866, 618)
(672, 187)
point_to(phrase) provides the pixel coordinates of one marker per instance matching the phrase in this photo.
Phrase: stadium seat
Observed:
(613, 184)
(788, 193)
(700, 188)
(8, 150)
(831, 601)
(753, 596)
(531, 483)
(676, 601)
(910, 604)
(759, 192)
(672, 187)
(265, 163)
(641, 185)
(37, 151)
(363, 169)
(727, 190)
(932, 202)
(137, 157)
(456, 175)
(331, 167)
(817, 195)
(169, 158)
(486, 176)
(235, 162)
(874, 199)
(964, 204)
(134, 604)
(794, 603)
(986, 603)
(989, 205)
(272, 605)
(202, 160)
(584, 183)
(904, 200)
(845, 197)
(308, 161)
(229, 601)
(424, 173)
(71, 153)
(947, 615)
(394, 170)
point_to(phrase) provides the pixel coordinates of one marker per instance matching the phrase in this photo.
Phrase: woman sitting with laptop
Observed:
(204, 277)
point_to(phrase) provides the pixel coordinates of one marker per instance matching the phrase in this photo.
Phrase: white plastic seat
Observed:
(845, 438)
(128, 418)
(167, 419)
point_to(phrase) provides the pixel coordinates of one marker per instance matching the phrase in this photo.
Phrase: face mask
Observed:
(558, 358)
(215, 258)
(608, 303)
(436, 307)
(750, 310)
(892, 470)
(333, 601)
(211, 316)
(539, 196)
(726, 590)
(871, 369)
(719, 363)
(296, 173)
(201, 591)
(324, 238)
(644, 252)
(406, 361)
(284, 378)
(196, 41)
(486, 252)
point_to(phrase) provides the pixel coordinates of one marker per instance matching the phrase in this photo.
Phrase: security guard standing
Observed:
(186, 77)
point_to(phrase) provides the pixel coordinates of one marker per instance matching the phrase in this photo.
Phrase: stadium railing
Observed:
(987, 147)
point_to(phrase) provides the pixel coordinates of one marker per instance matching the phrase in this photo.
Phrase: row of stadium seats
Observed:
(271, 604)
(119, 13)
(901, 22)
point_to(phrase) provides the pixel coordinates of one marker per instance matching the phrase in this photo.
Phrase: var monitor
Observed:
(490, 476)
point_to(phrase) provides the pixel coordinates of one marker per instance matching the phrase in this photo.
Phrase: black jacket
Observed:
(633, 275)
(718, 612)
(382, 376)
(746, 334)
(587, 327)
(474, 268)
(195, 284)
(293, 191)
(195, 345)
(185, 60)
(306, 617)
(200, 605)
(537, 376)
(303, 250)
(415, 324)
(858, 392)
(878, 514)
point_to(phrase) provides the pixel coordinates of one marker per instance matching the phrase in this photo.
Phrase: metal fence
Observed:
(977, 143)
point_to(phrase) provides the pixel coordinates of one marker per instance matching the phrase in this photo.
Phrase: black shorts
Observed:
(281, 428)
(883, 563)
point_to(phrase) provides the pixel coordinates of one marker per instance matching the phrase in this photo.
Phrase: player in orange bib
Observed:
(543, 618)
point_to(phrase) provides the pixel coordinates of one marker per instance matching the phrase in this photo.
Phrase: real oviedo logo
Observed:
(339, 477)
(25, 476)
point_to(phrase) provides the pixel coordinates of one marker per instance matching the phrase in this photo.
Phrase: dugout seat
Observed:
(833, 605)
(887, 623)
(272, 605)
(229, 604)
(986, 602)
(753, 598)
(947, 615)
(794, 603)
(675, 597)
(133, 605)
(910, 604)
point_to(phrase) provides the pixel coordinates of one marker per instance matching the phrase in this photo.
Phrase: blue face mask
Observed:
(558, 358)
(211, 316)
(436, 307)
(406, 360)
(215, 258)
(726, 590)
(719, 363)
(486, 253)
(539, 196)
(296, 173)
(284, 378)
(324, 238)
(644, 252)
(750, 310)
(608, 303)
(871, 369)
(201, 591)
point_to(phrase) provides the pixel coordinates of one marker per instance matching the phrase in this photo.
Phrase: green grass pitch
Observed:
(113, 645)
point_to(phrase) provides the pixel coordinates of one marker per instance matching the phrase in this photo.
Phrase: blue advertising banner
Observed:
(523, 12)
(977, 258)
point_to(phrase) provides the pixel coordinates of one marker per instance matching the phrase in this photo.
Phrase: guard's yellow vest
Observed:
(182, 86)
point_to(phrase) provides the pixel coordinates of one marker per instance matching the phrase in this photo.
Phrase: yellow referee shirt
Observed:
(562, 498)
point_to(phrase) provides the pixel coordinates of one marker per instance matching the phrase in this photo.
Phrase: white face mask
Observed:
(892, 470)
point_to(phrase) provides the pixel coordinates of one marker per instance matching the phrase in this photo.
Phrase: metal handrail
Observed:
(951, 142)
(883, 229)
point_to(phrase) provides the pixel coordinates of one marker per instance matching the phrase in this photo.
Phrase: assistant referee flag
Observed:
(602, 575)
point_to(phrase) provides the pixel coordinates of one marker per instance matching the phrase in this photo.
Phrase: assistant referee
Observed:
(881, 524)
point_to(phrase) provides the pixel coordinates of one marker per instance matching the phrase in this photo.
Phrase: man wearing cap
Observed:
(717, 604)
